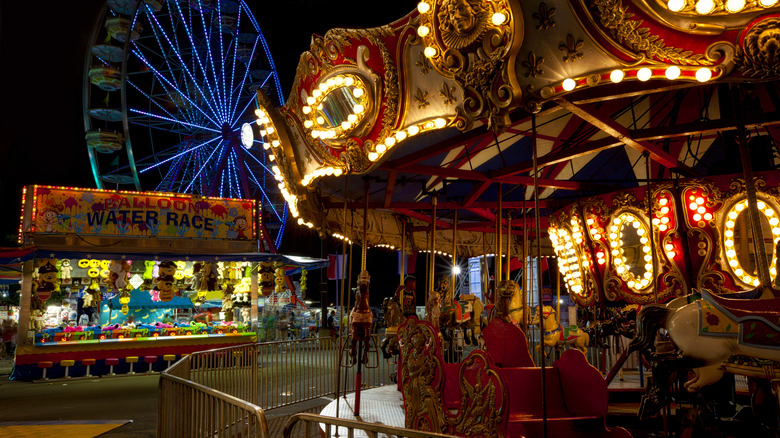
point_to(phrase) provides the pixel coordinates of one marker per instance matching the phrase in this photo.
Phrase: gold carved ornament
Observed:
(474, 42)
(614, 16)
(483, 400)
(325, 63)
(758, 55)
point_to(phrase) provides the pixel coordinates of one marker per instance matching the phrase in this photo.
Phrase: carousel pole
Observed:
(403, 254)
(508, 245)
(650, 215)
(484, 269)
(454, 250)
(538, 266)
(499, 245)
(363, 256)
(762, 265)
(343, 269)
(524, 267)
(432, 272)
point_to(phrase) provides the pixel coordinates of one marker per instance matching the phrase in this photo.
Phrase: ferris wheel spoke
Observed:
(233, 115)
(265, 196)
(221, 54)
(203, 167)
(189, 32)
(157, 116)
(184, 152)
(163, 78)
(155, 101)
(207, 35)
(184, 68)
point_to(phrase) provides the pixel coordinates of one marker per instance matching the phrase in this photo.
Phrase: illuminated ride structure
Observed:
(621, 136)
(168, 98)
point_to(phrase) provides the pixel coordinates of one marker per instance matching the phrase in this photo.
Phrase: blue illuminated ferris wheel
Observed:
(169, 101)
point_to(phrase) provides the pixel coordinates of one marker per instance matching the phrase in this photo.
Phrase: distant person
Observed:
(331, 325)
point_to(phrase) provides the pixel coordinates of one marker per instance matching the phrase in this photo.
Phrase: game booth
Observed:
(118, 282)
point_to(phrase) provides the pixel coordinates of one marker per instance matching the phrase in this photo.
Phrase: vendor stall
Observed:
(114, 280)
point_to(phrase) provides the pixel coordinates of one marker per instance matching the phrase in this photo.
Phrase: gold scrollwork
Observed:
(473, 42)
(629, 33)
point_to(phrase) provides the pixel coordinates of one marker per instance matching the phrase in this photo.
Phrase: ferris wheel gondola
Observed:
(169, 101)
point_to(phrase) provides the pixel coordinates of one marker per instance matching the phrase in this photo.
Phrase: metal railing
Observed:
(192, 409)
(220, 392)
(336, 427)
(294, 371)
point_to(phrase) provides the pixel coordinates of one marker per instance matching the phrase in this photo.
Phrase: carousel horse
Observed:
(361, 318)
(557, 336)
(510, 301)
(616, 322)
(393, 319)
(464, 313)
(720, 334)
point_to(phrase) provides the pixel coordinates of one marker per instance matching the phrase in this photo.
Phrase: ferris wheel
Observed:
(169, 101)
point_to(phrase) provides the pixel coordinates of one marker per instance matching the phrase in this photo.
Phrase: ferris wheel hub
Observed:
(227, 132)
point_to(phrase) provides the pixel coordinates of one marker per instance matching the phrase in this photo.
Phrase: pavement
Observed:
(130, 400)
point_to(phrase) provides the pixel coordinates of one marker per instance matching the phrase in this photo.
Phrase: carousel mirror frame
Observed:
(566, 248)
(618, 259)
(730, 212)
(364, 79)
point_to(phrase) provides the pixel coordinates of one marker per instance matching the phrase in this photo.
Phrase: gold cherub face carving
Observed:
(460, 16)
(462, 22)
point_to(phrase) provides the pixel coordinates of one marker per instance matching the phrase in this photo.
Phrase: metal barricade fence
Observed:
(333, 427)
(195, 410)
(220, 392)
(294, 371)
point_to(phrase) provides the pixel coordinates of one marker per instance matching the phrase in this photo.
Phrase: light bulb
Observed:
(616, 76)
(644, 74)
(703, 74)
(673, 72)
(569, 84)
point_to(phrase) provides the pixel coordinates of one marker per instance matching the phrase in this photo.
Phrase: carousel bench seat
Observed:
(576, 393)
(576, 399)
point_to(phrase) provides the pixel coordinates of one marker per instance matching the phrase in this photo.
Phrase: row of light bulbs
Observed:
(728, 240)
(619, 258)
(644, 74)
(568, 262)
(340, 237)
(705, 7)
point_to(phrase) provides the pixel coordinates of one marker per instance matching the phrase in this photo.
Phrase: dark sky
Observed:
(42, 52)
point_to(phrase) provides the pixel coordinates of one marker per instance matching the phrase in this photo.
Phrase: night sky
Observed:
(42, 54)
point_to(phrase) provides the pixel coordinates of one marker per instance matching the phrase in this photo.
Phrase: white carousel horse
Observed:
(724, 334)
(557, 336)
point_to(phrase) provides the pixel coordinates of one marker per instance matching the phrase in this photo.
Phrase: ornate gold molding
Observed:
(629, 33)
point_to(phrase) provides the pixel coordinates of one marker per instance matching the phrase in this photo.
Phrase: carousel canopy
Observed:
(421, 109)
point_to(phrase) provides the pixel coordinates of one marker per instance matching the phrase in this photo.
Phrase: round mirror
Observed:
(336, 106)
(340, 106)
(632, 257)
(738, 241)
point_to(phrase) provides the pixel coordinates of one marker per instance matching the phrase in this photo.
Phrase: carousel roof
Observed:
(611, 102)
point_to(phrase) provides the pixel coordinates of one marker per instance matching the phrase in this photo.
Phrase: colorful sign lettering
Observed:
(137, 214)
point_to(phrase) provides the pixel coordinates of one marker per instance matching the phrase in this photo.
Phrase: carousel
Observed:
(615, 157)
